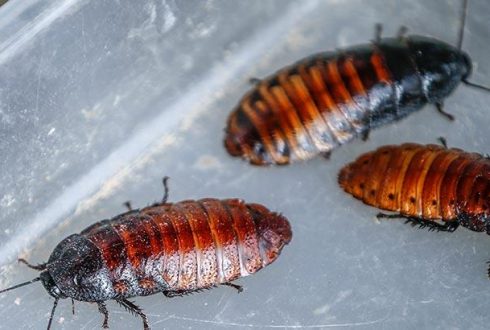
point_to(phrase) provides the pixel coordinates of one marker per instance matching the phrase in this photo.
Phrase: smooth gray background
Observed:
(100, 99)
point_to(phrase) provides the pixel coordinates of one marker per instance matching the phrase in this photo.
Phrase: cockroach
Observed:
(429, 185)
(173, 248)
(328, 99)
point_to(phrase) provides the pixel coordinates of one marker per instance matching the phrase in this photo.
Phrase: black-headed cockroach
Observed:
(173, 248)
(328, 99)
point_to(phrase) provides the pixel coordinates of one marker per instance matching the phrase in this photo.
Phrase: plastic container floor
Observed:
(100, 99)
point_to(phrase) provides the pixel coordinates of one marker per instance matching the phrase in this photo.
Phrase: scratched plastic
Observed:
(100, 100)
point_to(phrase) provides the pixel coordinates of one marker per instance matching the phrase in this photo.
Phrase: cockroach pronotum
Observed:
(428, 185)
(173, 248)
(328, 99)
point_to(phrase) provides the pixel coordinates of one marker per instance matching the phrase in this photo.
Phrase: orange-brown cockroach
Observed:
(427, 185)
(423, 184)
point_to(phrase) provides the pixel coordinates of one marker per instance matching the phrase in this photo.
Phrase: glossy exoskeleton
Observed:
(173, 248)
(328, 99)
(428, 185)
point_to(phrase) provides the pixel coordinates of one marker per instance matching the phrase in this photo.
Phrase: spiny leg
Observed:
(442, 141)
(72, 306)
(365, 135)
(132, 308)
(432, 225)
(367, 127)
(127, 204)
(39, 267)
(52, 313)
(388, 216)
(165, 188)
(172, 294)
(422, 223)
(378, 30)
(103, 311)
(440, 109)
(239, 288)
(181, 293)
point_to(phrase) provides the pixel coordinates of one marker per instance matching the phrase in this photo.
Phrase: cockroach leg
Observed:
(432, 225)
(39, 267)
(165, 188)
(440, 109)
(172, 294)
(239, 288)
(132, 308)
(365, 135)
(103, 311)
(52, 313)
(367, 127)
(127, 204)
(442, 141)
(388, 216)
(422, 223)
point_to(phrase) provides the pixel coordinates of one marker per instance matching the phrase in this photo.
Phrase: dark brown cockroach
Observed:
(328, 99)
(425, 184)
(173, 248)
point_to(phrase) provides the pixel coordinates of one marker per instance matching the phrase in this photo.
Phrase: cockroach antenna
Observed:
(37, 279)
(460, 45)
(463, 23)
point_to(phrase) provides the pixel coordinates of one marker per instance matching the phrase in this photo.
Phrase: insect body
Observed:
(171, 248)
(328, 99)
(423, 184)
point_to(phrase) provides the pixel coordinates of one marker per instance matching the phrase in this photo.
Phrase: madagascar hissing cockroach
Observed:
(328, 99)
(173, 248)
(425, 184)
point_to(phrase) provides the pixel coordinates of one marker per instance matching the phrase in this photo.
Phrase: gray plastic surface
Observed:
(100, 99)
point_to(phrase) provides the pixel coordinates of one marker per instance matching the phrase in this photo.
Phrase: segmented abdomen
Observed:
(313, 106)
(428, 182)
(188, 245)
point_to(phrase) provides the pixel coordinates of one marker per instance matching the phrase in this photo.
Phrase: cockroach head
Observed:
(77, 268)
(442, 65)
(50, 285)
